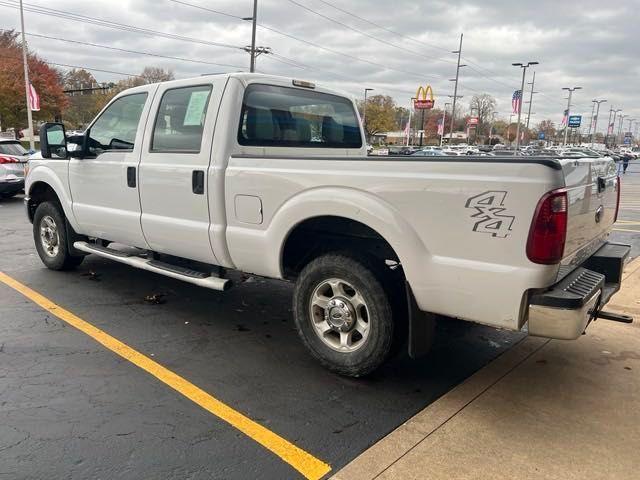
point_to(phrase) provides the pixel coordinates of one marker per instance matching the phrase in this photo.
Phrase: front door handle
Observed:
(131, 177)
(197, 182)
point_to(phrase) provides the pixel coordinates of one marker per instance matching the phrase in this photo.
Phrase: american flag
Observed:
(440, 126)
(565, 117)
(407, 129)
(34, 99)
(516, 101)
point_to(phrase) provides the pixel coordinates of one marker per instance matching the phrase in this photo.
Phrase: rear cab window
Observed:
(275, 116)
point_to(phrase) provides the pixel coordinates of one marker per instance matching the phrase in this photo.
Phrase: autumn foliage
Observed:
(46, 80)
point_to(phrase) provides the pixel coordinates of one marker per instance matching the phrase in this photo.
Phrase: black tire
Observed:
(61, 259)
(8, 195)
(367, 280)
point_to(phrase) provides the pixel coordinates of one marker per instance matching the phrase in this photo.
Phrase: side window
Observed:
(116, 128)
(293, 117)
(180, 120)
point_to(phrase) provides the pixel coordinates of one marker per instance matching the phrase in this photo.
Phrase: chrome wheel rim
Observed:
(339, 315)
(49, 236)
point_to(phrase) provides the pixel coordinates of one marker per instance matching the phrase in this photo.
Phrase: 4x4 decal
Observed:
(489, 208)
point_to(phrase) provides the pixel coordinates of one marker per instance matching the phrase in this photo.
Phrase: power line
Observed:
(78, 67)
(361, 32)
(137, 52)
(448, 50)
(114, 25)
(210, 10)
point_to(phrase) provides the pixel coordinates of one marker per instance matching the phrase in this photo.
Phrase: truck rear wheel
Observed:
(50, 237)
(344, 313)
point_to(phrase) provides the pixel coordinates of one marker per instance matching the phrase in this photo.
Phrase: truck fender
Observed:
(354, 204)
(43, 174)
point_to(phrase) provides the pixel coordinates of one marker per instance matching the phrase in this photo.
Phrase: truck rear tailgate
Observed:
(592, 192)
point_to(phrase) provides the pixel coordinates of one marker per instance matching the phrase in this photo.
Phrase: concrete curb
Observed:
(377, 459)
(401, 441)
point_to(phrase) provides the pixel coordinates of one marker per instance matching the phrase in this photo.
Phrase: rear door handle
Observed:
(131, 177)
(197, 182)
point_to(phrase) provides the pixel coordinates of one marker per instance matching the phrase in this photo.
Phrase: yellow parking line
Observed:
(304, 462)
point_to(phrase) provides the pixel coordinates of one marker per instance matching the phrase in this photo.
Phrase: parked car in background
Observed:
(13, 159)
(428, 153)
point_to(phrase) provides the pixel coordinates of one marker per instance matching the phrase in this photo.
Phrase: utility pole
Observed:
(524, 72)
(595, 120)
(253, 51)
(566, 128)
(455, 88)
(254, 20)
(533, 84)
(26, 80)
(444, 112)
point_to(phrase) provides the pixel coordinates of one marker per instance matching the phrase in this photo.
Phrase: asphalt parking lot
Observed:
(72, 408)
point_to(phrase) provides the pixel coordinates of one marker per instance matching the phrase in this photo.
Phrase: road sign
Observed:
(627, 140)
(472, 121)
(575, 121)
(541, 136)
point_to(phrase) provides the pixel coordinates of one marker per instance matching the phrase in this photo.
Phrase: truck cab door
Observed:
(174, 191)
(104, 185)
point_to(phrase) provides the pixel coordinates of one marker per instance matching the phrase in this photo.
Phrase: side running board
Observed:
(202, 279)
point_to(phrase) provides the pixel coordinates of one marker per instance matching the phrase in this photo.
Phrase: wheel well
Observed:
(40, 192)
(319, 235)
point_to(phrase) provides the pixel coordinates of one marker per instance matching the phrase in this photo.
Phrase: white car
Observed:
(268, 175)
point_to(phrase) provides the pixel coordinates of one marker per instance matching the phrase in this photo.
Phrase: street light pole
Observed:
(455, 88)
(444, 112)
(566, 128)
(364, 113)
(622, 117)
(595, 120)
(524, 72)
(26, 80)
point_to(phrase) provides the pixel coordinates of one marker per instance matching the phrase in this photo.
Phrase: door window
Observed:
(180, 120)
(116, 128)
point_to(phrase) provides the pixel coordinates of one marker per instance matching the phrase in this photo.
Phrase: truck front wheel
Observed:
(50, 237)
(344, 313)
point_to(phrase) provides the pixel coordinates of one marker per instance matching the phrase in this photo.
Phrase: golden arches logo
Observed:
(424, 98)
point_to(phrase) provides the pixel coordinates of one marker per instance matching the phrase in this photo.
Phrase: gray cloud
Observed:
(587, 43)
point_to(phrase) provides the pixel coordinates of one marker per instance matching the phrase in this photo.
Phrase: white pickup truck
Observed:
(268, 175)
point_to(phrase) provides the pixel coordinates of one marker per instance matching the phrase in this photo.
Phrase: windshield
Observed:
(12, 148)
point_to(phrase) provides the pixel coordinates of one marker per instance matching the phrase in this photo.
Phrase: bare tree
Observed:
(156, 74)
(483, 105)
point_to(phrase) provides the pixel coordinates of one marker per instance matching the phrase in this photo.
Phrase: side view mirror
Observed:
(53, 141)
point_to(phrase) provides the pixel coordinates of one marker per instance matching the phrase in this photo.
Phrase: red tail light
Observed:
(549, 229)
(618, 188)
(7, 160)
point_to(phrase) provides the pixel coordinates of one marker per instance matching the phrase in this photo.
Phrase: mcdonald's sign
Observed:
(424, 98)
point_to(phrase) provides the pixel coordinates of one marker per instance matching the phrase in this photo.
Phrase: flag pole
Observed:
(26, 79)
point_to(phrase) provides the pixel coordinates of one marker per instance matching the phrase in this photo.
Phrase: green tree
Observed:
(381, 114)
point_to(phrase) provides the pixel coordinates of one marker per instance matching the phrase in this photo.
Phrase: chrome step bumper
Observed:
(565, 310)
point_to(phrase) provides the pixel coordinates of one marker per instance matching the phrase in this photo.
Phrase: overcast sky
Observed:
(393, 47)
